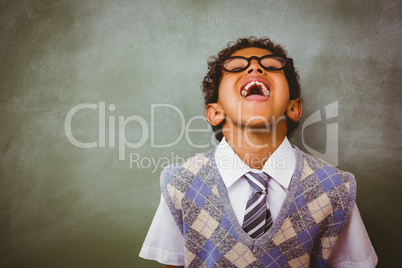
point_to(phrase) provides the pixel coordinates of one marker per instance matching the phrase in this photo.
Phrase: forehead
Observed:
(251, 51)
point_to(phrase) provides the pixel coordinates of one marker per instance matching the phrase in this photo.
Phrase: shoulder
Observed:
(185, 171)
(335, 182)
(327, 184)
(177, 179)
(321, 168)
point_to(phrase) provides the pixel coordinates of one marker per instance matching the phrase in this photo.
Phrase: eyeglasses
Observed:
(268, 62)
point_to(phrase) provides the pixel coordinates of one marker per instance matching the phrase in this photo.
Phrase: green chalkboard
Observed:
(96, 97)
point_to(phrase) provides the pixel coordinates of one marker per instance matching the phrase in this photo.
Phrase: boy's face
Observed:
(255, 96)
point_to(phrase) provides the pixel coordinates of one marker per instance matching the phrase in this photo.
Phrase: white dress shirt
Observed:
(165, 243)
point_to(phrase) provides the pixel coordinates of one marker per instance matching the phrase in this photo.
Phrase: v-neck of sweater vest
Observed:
(245, 238)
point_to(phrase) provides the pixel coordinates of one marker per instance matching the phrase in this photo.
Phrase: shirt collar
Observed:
(280, 165)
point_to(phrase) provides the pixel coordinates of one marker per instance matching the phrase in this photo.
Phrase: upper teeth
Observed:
(259, 84)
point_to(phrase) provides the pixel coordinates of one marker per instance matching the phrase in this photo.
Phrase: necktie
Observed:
(257, 218)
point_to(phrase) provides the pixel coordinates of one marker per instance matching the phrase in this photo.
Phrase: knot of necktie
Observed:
(258, 181)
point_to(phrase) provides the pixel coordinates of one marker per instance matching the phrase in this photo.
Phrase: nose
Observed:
(254, 67)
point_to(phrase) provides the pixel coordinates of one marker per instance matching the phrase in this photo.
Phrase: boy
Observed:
(256, 200)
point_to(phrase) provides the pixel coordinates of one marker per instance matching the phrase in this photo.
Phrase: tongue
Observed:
(255, 97)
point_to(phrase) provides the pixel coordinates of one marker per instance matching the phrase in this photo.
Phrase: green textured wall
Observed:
(65, 206)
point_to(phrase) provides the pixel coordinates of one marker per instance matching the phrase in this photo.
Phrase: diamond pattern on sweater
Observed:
(176, 195)
(320, 208)
(284, 233)
(302, 261)
(209, 254)
(240, 255)
(205, 224)
(322, 198)
(195, 163)
(327, 243)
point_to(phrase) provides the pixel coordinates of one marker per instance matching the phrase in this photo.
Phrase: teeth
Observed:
(259, 84)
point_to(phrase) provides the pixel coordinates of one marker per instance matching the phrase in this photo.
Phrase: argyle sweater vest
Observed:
(318, 205)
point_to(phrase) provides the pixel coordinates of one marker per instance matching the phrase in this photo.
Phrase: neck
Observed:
(255, 145)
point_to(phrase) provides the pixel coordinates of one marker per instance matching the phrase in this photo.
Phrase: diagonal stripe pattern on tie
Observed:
(257, 218)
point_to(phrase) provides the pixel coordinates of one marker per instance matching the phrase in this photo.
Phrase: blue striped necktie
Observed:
(257, 218)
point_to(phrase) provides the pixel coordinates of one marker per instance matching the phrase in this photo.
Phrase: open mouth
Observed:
(255, 88)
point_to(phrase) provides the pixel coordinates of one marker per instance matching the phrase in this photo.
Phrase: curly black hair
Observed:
(211, 81)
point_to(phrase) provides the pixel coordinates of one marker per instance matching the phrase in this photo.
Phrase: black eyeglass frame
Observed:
(286, 61)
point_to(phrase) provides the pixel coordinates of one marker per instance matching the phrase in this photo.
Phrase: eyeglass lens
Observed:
(239, 64)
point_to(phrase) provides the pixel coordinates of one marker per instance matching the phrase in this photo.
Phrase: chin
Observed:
(257, 124)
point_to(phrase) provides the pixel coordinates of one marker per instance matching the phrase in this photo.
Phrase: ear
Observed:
(294, 110)
(214, 113)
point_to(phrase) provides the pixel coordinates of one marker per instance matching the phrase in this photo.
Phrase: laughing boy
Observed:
(256, 200)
